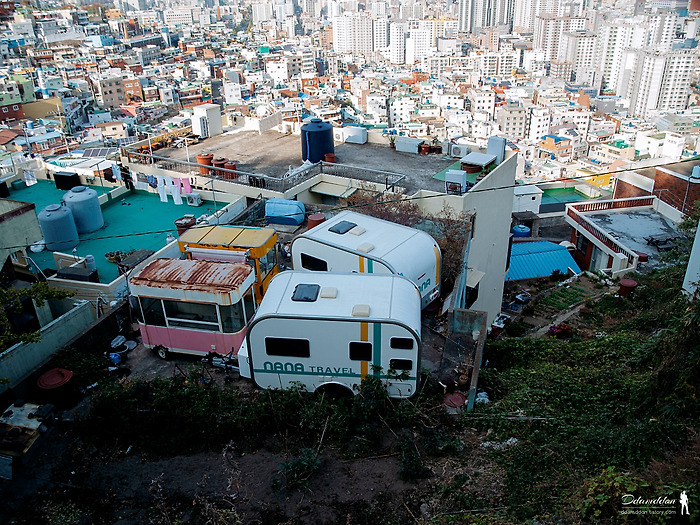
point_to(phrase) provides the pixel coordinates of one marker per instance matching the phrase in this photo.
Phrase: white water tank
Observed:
(57, 225)
(85, 205)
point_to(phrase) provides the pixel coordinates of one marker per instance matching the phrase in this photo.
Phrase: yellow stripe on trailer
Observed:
(364, 336)
(437, 266)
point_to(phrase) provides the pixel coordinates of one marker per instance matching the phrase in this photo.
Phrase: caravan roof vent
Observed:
(358, 230)
(365, 247)
(342, 227)
(360, 310)
(329, 292)
(306, 293)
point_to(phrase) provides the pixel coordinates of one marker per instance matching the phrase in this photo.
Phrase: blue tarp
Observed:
(530, 260)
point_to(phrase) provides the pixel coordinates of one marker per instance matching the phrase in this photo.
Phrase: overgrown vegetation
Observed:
(183, 415)
(610, 404)
(450, 229)
(13, 301)
(573, 425)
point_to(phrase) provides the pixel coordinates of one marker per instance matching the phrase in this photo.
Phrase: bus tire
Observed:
(162, 352)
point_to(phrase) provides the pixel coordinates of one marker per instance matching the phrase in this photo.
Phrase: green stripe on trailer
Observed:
(326, 374)
(377, 347)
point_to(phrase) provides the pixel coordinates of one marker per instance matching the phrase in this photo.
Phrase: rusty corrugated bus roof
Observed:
(193, 275)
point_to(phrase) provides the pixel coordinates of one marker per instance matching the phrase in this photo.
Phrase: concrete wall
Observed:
(377, 137)
(19, 361)
(490, 201)
(19, 227)
(101, 295)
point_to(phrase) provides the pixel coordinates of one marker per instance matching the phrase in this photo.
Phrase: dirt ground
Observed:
(240, 476)
(130, 489)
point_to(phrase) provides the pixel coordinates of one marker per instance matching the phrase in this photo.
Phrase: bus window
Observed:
(249, 305)
(267, 262)
(197, 316)
(152, 311)
(232, 318)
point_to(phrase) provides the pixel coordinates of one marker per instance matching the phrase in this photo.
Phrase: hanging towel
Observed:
(162, 190)
(116, 171)
(177, 198)
(186, 185)
(174, 189)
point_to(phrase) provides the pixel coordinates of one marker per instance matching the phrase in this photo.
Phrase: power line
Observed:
(378, 203)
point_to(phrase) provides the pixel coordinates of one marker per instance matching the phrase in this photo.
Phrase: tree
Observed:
(11, 301)
(449, 228)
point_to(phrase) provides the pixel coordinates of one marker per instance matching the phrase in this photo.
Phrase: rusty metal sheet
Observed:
(193, 275)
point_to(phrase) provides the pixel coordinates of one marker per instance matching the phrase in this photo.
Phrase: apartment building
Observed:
(512, 120)
(482, 100)
(108, 90)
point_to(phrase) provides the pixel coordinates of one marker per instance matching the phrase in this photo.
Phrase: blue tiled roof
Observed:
(529, 260)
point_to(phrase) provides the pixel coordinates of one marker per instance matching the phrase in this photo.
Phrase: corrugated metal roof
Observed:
(529, 260)
(194, 275)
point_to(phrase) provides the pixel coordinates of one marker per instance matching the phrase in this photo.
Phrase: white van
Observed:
(353, 242)
(322, 329)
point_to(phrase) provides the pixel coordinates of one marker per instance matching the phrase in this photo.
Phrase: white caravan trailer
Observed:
(322, 329)
(353, 242)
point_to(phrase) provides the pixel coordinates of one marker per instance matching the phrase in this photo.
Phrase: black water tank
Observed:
(316, 140)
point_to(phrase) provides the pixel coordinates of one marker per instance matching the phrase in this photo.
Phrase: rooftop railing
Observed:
(282, 184)
(575, 213)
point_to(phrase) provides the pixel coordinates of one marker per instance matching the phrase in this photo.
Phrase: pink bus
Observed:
(192, 306)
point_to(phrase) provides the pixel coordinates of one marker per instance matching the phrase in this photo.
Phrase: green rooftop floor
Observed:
(44, 192)
(133, 221)
(562, 195)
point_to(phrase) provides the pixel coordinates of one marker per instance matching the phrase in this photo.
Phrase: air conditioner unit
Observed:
(338, 135)
(194, 199)
(459, 150)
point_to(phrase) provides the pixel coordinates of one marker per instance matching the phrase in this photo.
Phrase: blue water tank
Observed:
(316, 140)
(520, 230)
(58, 227)
(85, 205)
(695, 173)
(30, 124)
(284, 211)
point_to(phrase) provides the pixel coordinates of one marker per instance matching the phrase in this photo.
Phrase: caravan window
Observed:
(342, 227)
(309, 262)
(401, 364)
(285, 347)
(306, 293)
(152, 311)
(402, 343)
(360, 351)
